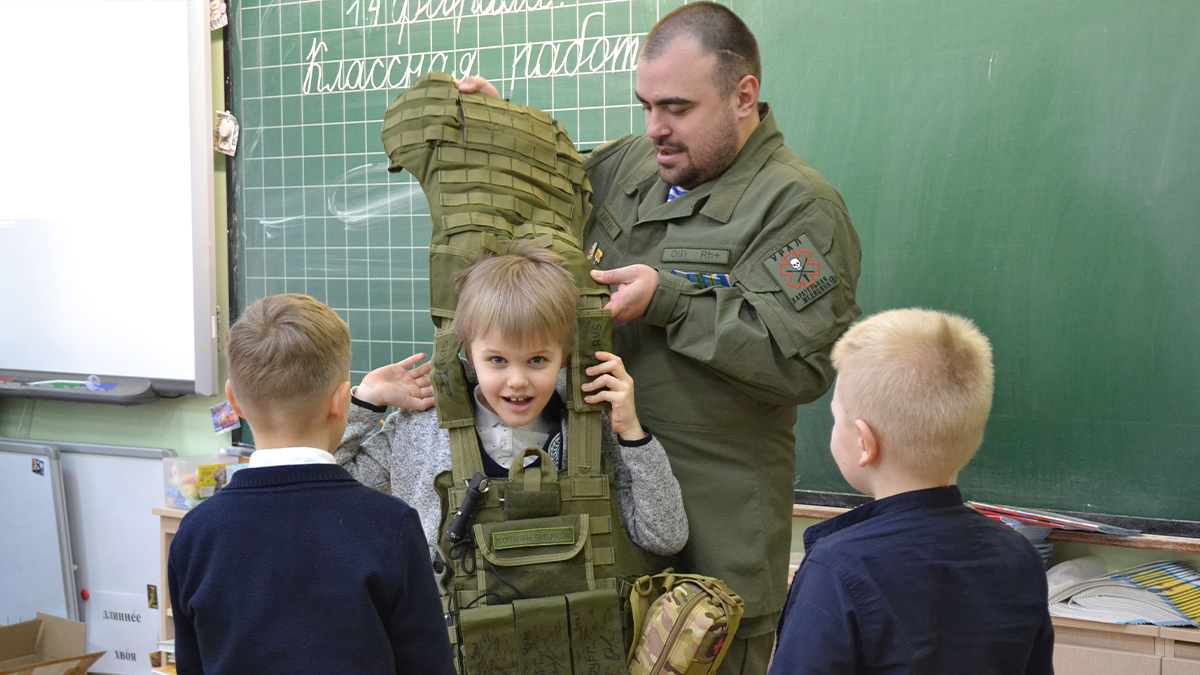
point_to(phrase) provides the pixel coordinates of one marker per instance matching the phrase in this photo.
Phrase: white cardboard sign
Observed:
(123, 626)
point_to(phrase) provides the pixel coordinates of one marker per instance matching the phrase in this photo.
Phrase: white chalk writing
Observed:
(588, 51)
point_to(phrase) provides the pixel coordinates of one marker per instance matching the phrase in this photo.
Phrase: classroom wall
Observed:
(184, 424)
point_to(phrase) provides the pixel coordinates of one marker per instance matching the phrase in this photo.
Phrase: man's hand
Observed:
(615, 385)
(399, 385)
(635, 288)
(475, 84)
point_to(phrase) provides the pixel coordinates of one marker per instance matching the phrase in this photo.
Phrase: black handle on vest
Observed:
(462, 517)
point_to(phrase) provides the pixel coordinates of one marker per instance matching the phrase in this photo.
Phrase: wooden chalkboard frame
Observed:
(1150, 526)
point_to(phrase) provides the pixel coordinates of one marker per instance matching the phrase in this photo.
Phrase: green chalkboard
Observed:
(1036, 167)
(1032, 165)
(317, 211)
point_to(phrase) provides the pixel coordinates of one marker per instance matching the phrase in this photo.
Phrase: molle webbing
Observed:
(540, 585)
(493, 172)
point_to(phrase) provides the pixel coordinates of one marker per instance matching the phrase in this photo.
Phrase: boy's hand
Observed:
(399, 385)
(615, 386)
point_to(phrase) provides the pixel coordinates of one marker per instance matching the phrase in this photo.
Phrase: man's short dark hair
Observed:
(719, 31)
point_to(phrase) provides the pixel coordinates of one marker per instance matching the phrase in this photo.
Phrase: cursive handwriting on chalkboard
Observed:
(589, 50)
(405, 13)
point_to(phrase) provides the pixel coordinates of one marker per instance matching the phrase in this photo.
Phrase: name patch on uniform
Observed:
(801, 272)
(714, 256)
(545, 536)
(608, 220)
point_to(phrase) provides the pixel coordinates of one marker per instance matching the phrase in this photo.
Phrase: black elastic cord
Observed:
(471, 604)
(504, 581)
(460, 552)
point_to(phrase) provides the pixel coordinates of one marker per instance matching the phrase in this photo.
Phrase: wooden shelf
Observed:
(1153, 542)
(168, 525)
(169, 512)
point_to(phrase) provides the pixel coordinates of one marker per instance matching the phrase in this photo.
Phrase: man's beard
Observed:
(710, 160)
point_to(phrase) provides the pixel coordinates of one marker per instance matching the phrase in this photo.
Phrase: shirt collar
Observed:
(288, 456)
(905, 501)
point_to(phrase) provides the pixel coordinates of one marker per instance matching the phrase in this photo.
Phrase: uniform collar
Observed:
(905, 501)
(718, 197)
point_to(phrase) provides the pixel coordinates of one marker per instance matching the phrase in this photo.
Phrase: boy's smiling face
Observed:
(516, 378)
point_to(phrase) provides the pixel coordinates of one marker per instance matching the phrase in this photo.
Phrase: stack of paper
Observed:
(166, 658)
(1036, 534)
(1161, 593)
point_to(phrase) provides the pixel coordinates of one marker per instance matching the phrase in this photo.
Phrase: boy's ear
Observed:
(339, 402)
(868, 443)
(232, 401)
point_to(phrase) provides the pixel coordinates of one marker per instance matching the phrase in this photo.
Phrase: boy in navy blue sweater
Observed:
(295, 566)
(914, 582)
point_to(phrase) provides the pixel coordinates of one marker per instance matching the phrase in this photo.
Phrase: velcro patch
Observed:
(801, 272)
(545, 536)
(715, 256)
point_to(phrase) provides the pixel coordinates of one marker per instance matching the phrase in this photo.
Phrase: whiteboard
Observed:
(106, 209)
(35, 560)
(115, 543)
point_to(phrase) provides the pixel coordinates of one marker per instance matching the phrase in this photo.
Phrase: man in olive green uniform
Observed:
(735, 265)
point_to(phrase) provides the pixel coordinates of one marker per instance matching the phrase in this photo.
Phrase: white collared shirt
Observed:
(286, 456)
(502, 442)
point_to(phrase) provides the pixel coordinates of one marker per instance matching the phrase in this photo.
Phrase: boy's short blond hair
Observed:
(923, 381)
(528, 295)
(287, 350)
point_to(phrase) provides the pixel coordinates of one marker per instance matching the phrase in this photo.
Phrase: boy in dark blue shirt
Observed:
(914, 582)
(295, 566)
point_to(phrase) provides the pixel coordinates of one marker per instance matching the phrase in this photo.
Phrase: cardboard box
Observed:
(46, 645)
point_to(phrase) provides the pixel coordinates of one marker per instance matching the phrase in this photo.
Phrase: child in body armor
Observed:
(516, 320)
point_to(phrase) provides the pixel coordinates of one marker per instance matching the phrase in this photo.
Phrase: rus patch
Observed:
(801, 272)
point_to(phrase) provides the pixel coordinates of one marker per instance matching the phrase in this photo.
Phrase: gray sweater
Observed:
(411, 450)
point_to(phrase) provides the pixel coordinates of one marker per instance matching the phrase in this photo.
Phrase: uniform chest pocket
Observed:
(706, 266)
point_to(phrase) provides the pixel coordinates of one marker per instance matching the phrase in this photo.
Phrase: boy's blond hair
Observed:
(287, 350)
(923, 381)
(528, 295)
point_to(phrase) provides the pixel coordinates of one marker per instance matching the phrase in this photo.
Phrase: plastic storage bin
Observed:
(187, 481)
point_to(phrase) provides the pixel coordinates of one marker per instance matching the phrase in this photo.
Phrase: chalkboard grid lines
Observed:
(319, 213)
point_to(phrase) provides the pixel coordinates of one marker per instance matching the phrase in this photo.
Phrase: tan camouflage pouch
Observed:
(683, 624)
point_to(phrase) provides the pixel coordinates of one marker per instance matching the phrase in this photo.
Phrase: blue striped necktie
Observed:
(674, 192)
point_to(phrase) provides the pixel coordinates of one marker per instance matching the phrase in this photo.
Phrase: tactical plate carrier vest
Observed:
(540, 582)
